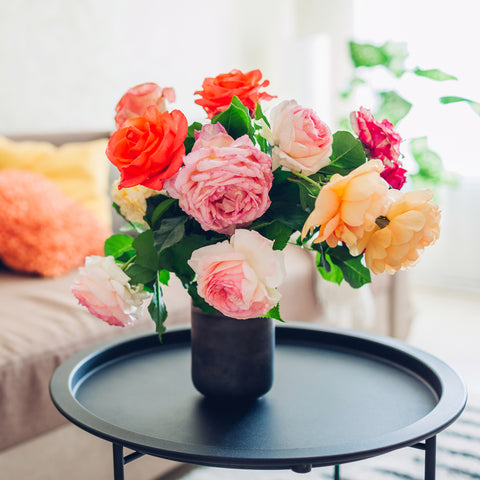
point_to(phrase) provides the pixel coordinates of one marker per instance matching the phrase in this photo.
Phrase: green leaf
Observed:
(274, 313)
(170, 232)
(474, 105)
(396, 53)
(285, 206)
(161, 209)
(175, 258)
(347, 154)
(431, 171)
(434, 74)
(393, 107)
(276, 231)
(147, 255)
(190, 139)
(327, 269)
(140, 274)
(158, 309)
(236, 120)
(353, 270)
(367, 55)
(390, 55)
(164, 276)
(118, 245)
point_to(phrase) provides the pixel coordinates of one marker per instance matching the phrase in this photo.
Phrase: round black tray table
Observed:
(337, 397)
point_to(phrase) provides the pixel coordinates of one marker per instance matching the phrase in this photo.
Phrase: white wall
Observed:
(65, 63)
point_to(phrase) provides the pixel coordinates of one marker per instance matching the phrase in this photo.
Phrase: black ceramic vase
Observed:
(232, 359)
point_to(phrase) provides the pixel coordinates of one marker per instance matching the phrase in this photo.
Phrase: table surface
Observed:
(338, 396)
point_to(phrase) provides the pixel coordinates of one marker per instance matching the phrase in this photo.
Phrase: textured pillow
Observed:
(79, 169)
(44, 231)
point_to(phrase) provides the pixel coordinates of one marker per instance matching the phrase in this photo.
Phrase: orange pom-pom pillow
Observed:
(43, 231)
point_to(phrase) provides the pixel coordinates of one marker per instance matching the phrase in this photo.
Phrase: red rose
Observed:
(218, 92)
(149, 149)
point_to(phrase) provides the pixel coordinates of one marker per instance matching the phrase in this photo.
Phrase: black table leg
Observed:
(118, 472)
(430, 458)
(336, 472)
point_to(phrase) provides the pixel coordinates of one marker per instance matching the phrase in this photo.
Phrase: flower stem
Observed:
(128, 262)
(307, 179)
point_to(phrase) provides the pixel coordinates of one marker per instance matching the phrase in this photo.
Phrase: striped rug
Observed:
(458, 458)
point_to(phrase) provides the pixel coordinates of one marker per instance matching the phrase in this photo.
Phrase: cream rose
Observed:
(132, 201)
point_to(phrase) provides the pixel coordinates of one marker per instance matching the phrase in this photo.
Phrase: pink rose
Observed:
(239, 277)
(302, 142)
(395, 175)
(224, 183)
(103, 288)
(137, 99)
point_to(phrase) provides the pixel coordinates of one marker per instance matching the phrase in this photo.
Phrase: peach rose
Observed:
(302, 142)
(218, 92)
(137, 99)
(102, 287)
(348, 205)
(239, 277)
(132, 201)
(149, 149)
(224, 183)
(411, 223)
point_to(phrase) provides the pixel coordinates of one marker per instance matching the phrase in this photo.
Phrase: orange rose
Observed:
(149, 149)
(218, 92)
(411, 224)
(347, 206)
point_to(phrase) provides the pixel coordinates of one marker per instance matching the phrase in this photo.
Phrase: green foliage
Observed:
(119, 246)
(390, 55)
(434, 74)
(430, 166)
(190, 140)
(236, 120)
(274, 313)
(337, 264)
(347, 154)
(474, 105)
(158, 309)
(393, 107)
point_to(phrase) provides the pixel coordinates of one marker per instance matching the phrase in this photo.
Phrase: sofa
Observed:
(41, 323)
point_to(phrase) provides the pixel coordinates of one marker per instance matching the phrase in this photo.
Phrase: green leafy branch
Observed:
(391, 56)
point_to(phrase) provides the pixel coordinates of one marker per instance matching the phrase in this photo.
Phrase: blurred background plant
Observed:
(428, 170)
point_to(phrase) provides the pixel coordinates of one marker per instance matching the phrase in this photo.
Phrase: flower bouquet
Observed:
(216, 203)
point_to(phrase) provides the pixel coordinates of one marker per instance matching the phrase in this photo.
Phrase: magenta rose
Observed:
(239, 277)
(137, 99)
(395, 176)
(380, 141)
(224, 183)
(379, 138)
(302, 142)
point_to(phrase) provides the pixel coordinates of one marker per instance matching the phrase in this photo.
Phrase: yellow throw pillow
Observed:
(79, 169)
